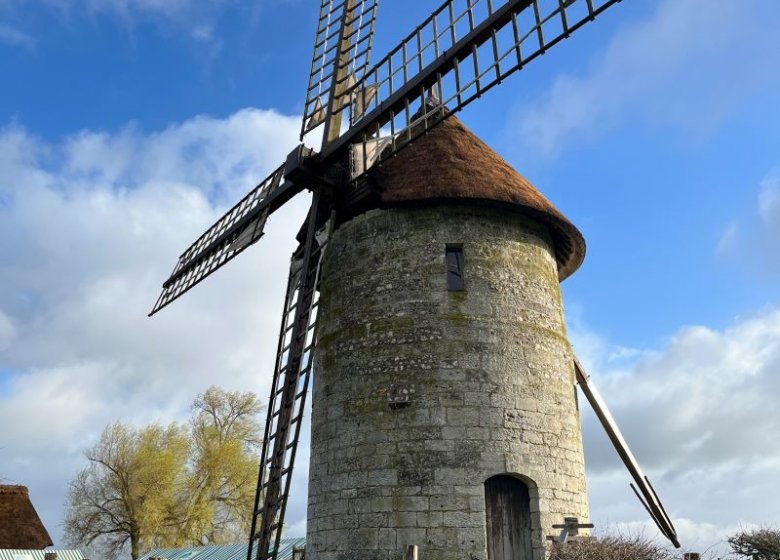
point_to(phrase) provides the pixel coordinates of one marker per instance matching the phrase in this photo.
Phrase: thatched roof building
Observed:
(451, 164)
(20, 526)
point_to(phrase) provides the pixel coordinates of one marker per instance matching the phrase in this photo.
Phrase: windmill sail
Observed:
(643, 489)
(237, 229)
(462, 50)
(288, 393)
(342, 50)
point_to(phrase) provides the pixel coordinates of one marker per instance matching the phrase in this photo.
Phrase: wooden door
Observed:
(508, 510)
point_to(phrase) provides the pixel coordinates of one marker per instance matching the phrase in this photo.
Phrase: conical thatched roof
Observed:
(20, 526)
(450, 162)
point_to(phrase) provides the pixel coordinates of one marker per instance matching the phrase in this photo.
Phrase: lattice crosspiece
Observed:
(462, 50)
(240, 227)
(342, 50)
(288, 392)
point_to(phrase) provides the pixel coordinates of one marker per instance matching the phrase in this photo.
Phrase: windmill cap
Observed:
(451, 163)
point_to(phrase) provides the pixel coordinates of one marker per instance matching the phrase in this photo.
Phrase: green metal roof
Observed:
(215, 552)
(19, 554)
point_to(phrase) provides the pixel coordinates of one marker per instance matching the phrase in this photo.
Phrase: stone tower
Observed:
(444, 406)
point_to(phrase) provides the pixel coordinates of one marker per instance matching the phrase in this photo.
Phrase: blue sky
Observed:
(127, 126)
(99, 67)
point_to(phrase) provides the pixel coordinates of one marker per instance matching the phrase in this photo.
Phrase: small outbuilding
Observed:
(20, 526)
(48, 554)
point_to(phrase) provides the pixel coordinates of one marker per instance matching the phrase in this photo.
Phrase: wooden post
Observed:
(691, 556)
(571, 527)
(411, 552)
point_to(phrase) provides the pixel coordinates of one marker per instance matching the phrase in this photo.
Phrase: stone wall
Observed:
(421, 394)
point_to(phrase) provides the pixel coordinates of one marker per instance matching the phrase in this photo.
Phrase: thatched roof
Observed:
(20, 526)
(450, 162)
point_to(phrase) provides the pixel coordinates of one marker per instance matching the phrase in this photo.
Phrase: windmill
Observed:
(370, 115)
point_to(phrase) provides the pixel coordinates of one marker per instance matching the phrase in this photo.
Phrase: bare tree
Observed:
(611, 548)
(759, 544)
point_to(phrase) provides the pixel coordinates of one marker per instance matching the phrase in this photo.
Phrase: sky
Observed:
(128, 126)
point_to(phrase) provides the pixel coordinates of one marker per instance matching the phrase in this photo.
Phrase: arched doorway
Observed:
(508, 510)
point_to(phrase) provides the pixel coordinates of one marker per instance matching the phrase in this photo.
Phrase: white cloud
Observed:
(768, 246)
(769, 206)
(171, 9)
(195, 19)
(701, 417)
(15, 37)
(166, 7)
(203, 32)
(729, 240)
(753, 242)
(688, 63)
(7, 331)
(91, 227)
(702, 396)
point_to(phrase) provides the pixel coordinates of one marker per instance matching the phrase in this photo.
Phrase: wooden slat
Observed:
(508, 510)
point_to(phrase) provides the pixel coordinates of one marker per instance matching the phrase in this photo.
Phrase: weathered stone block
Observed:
(386, 539)
(403, 519)
(406, 537)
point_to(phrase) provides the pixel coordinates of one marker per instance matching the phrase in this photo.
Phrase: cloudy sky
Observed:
(128, 126)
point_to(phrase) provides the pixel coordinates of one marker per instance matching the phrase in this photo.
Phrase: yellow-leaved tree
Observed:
(167, 486)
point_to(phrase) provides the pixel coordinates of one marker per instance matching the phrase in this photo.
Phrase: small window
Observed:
(455, 268)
